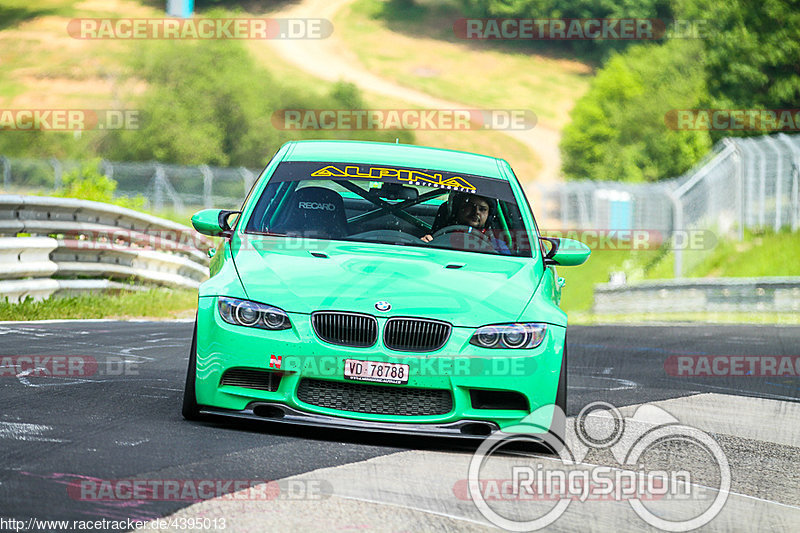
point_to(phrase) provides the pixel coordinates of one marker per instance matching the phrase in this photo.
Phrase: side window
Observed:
(272, 196)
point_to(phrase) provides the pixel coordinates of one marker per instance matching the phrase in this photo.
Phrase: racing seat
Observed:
(442, 218)
(313, 212)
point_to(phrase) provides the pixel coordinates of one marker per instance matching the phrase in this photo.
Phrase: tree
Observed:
(208, 102)
(574, 9)
(752, 52)
(618, 129)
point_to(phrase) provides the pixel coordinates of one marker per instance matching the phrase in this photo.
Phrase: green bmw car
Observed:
(380, 287)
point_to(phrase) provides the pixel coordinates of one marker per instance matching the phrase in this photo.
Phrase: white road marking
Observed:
(130, 443)
(25, 432)
(622, 384)
(386, 492)
(23, 378)
(746, 417)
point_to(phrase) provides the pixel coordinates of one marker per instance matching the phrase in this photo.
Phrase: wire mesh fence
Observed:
(163, 186)
(744, 183)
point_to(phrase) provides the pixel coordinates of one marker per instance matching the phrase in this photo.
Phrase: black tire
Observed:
(191, 411)
(558, 425)
(561, 395)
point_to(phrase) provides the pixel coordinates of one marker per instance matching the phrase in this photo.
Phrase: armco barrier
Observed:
(94, 242)
(686, 295)
(38, 289)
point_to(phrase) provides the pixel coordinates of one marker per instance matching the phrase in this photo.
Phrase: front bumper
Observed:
(533, 374)
(277, 412)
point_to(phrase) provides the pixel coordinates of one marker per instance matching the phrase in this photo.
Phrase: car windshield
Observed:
(391, 205)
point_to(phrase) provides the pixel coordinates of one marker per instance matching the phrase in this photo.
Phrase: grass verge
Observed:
(43, 67)
(154, 303)
(416, 47)
(488, 142)
(591, 319)
(766, 254)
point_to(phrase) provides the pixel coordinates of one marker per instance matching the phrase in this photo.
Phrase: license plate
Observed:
(374, 371)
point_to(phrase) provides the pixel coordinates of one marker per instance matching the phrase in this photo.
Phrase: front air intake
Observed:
(498, 399)
(249, 378)
(375, 399)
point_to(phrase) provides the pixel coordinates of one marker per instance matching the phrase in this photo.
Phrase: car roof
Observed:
(402, 155)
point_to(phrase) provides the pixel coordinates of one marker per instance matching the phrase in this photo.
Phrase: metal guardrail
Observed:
(87, 244)
(686, 295)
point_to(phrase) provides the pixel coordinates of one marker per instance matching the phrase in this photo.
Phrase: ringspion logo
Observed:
(503, 485)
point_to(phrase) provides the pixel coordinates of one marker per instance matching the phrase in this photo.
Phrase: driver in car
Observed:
(473, 211)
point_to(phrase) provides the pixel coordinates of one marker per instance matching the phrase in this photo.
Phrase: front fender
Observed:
(224, 280)
(543, 306)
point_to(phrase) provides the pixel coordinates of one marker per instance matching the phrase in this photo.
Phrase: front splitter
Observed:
(280, 413)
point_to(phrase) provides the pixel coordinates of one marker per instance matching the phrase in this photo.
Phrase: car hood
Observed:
(476, 289)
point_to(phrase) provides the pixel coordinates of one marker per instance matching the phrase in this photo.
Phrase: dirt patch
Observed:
(68, 71)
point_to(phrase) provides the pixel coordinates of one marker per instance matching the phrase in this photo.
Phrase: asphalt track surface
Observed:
(124, 422)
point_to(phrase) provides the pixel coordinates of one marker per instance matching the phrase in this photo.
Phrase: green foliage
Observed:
(44, 144)
(752, 53)
(348, 94)
(618, 131)
(544, 9)
(14, 12)
(748, 57)
(767, 254)
(568, 8)
(202, 106)
(31, 173)
(209, 102)
(88, 183)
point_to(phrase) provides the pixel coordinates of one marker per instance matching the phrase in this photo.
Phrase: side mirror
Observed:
(213, 222)
(565, 252)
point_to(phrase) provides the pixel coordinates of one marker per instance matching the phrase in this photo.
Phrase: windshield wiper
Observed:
(266, 233)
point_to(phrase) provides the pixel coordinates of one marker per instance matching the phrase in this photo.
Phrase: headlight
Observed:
(252, 314)
(509, 336)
